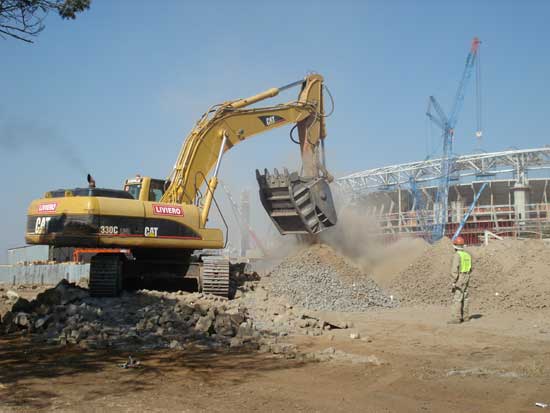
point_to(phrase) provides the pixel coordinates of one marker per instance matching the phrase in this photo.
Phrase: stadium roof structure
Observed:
(480, 167)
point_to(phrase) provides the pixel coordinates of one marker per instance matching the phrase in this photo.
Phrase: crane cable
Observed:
(479, 124)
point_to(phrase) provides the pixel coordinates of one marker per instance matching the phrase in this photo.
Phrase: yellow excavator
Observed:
(163, 222)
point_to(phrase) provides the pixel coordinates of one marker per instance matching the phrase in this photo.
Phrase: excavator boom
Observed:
(297, 203)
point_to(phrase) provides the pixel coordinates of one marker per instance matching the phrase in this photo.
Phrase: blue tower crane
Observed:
(419, 205)
(447, 125)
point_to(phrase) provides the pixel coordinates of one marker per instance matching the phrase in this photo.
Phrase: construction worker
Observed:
(460, 273)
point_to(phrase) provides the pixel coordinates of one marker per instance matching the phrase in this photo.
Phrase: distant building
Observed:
(38, 253)
(514, 202)
(28, 253)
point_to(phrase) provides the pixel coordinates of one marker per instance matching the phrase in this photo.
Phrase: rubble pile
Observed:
(276, 315)
(318, 278)
(66, 314)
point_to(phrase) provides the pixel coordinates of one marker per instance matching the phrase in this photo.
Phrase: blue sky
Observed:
(116, 91)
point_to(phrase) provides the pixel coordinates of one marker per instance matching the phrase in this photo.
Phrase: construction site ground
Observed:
(497, 363)
(404, 358)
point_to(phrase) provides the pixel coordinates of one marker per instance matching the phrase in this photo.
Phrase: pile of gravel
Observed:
(318, 278)
(427, 280)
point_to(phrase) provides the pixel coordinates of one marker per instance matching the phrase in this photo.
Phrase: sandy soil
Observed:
(506, 275)
(498, 362)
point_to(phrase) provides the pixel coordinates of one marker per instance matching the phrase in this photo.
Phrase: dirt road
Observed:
(495, 363)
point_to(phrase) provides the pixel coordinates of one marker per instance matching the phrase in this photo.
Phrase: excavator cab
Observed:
(144, 188)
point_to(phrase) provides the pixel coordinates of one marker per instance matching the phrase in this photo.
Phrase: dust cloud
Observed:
(357, 237)
(278, 247)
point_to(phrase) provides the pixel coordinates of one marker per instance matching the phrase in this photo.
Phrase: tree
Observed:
(24, 19)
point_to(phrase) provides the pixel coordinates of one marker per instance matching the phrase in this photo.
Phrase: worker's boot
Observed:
(466, 307)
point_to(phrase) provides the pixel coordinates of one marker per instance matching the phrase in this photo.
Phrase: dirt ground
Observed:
(498, 362)
(404, 359)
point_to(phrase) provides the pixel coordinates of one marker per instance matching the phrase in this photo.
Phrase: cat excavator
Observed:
(163, 221)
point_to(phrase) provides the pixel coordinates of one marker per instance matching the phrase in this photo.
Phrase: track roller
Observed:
(215, 276)
(106, 275)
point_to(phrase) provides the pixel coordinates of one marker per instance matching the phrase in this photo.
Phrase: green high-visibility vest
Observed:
(465, 261)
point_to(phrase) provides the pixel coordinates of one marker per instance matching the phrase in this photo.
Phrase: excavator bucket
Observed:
(295, 204)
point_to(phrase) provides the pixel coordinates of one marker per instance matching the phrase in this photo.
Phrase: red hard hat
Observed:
(458, 241)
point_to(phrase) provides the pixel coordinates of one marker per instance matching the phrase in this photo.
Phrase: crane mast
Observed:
(447, 124)
(244, 226)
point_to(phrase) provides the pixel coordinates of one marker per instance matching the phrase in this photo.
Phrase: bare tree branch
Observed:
(14, 36)
(23, 19)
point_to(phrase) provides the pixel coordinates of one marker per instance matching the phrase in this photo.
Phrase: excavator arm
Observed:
(229, 124)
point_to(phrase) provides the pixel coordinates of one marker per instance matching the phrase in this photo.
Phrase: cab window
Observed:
(156, 190)
(133, 190)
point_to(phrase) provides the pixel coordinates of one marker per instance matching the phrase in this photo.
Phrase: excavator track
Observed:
(215, 276)
(106, 275)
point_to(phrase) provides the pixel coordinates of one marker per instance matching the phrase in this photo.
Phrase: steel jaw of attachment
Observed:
(296, 204)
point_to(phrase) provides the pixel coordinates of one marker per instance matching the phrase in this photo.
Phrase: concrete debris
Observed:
(21, 305)
(62, 294)
(22, 320)
(204, 324)
(318, 278)
(483, 372)
(295, 299)
(12, 295)
(279, 348)
(176, 345)
(130, 364)
(275, 315)
(331, 354)
(336, 322)
(290, 351)
(41, 322)
(66, 314)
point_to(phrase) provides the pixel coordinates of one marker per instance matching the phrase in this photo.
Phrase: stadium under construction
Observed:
(511, 188)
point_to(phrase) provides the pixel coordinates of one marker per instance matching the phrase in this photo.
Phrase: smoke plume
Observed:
(18, 135)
